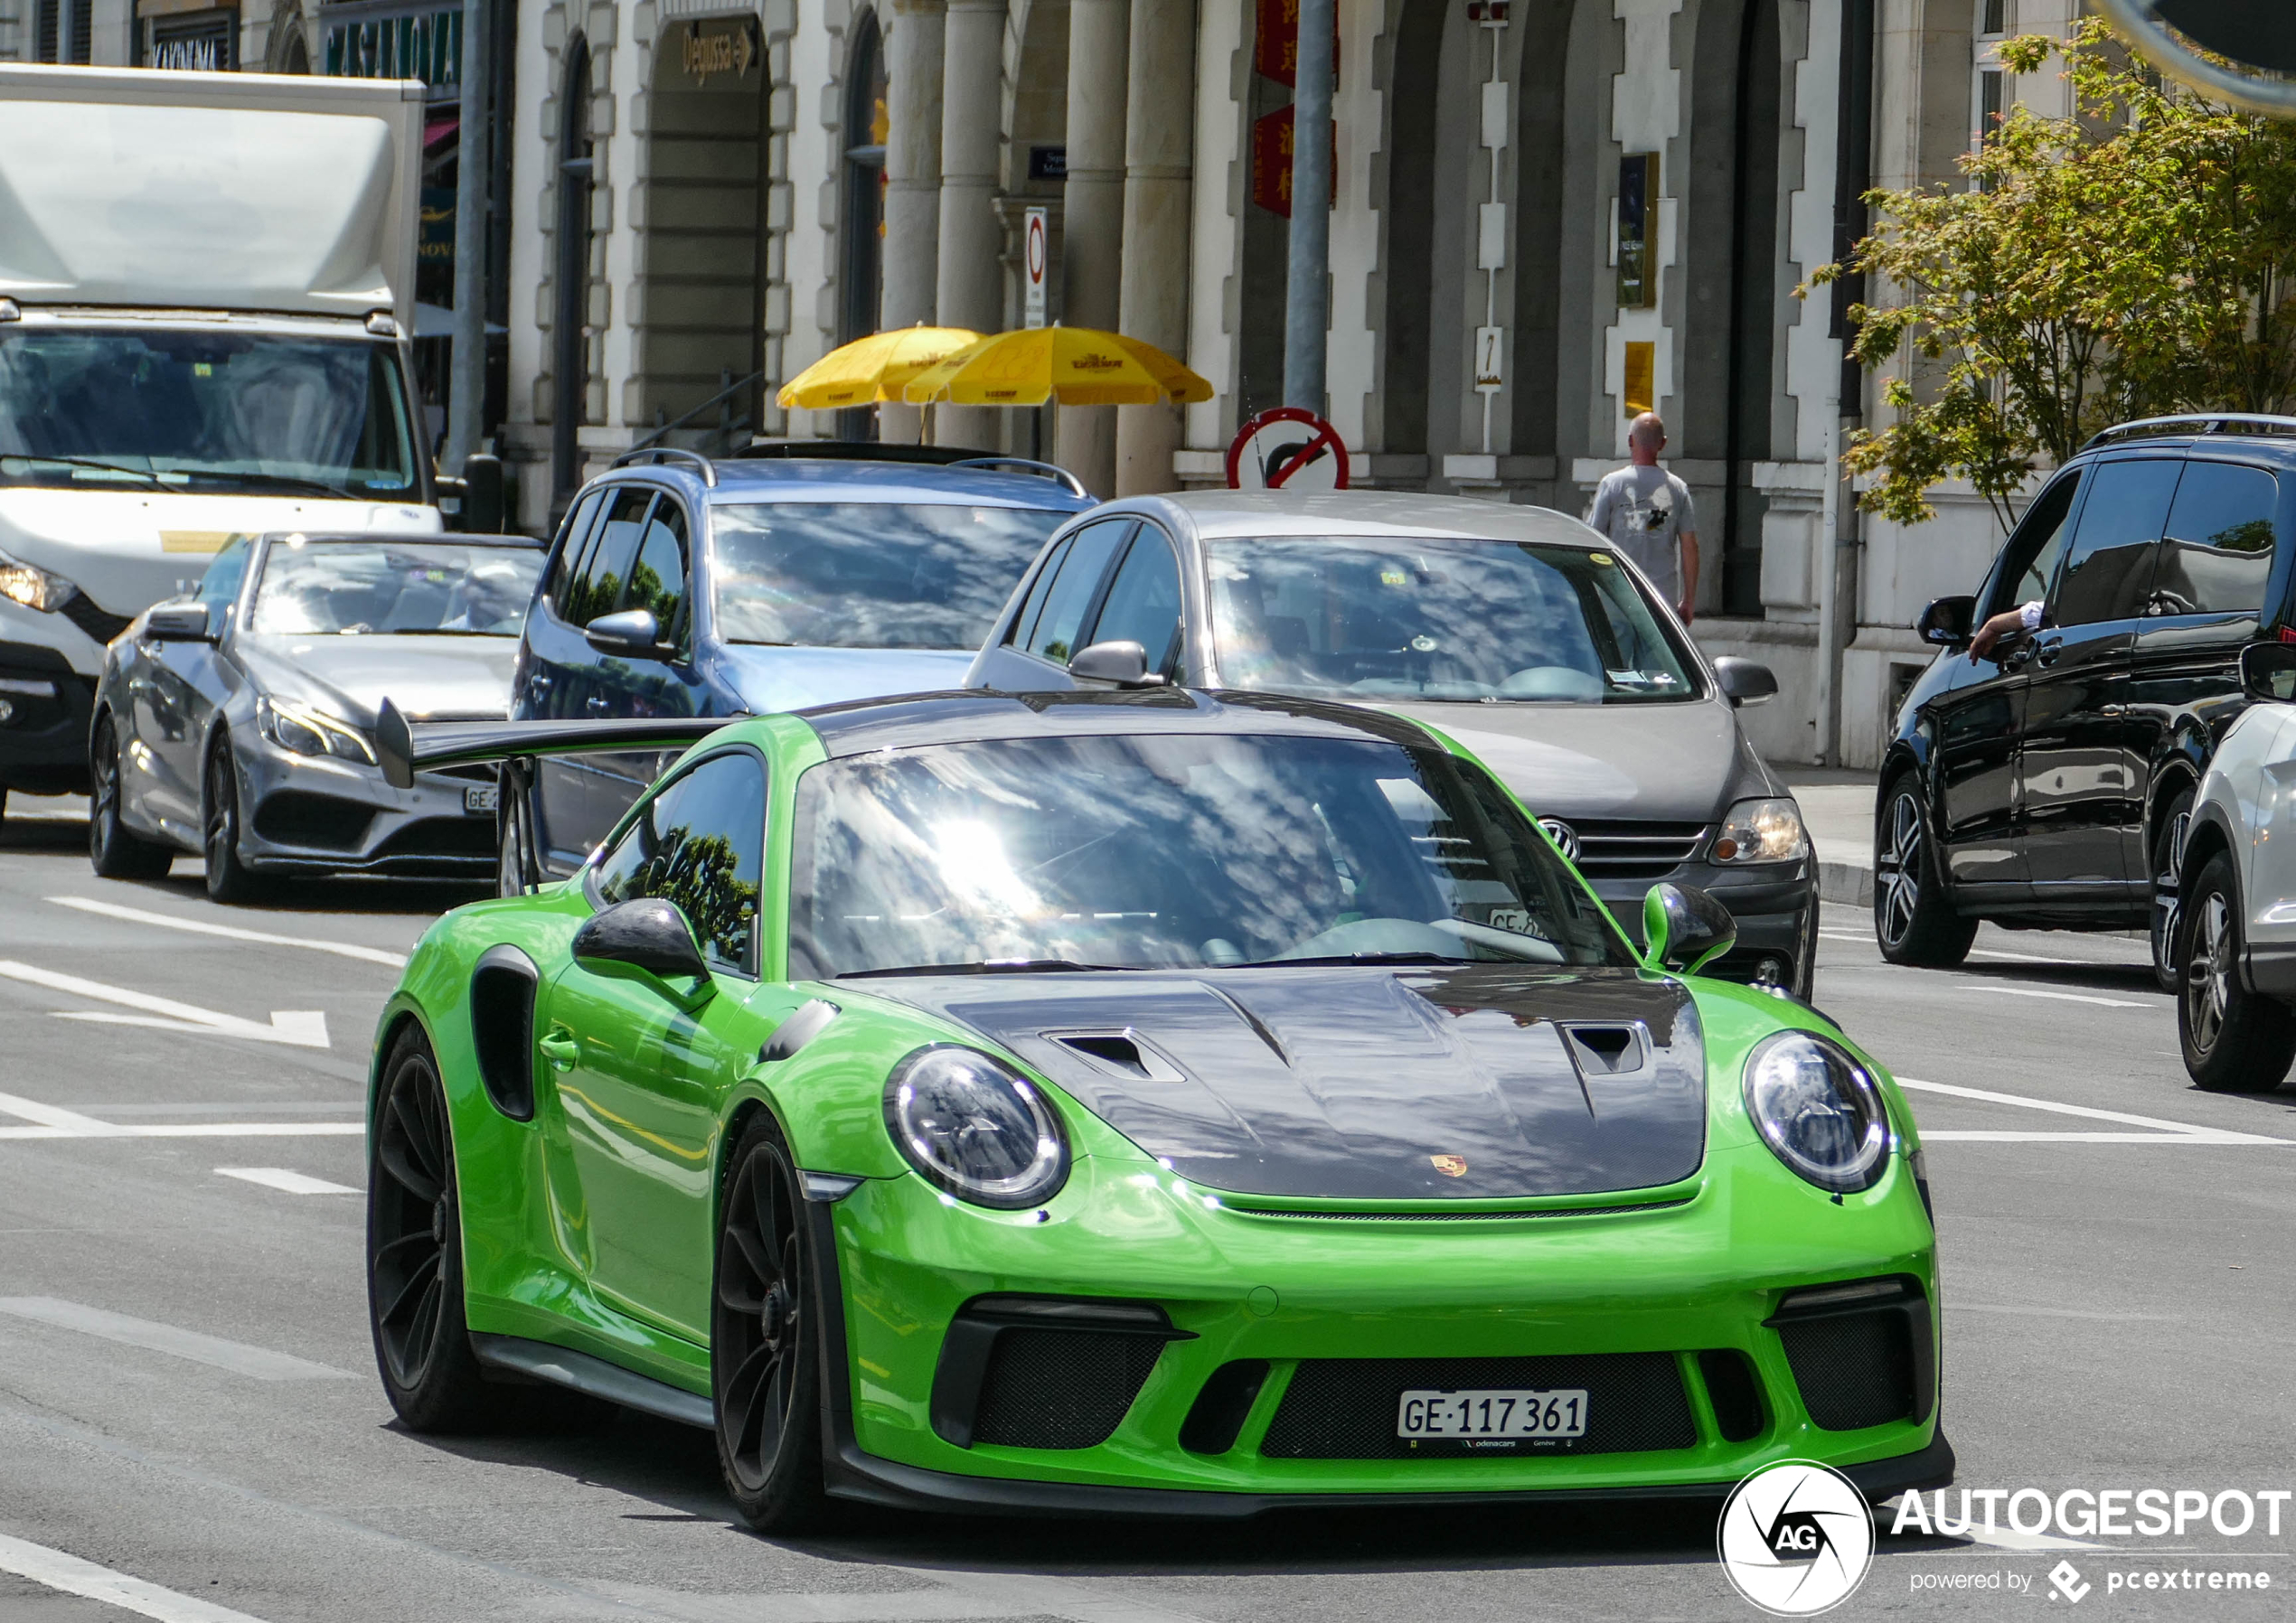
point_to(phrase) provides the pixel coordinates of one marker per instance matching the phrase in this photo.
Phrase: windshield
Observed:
(203, 411)
(1461, 620)
(1174, 851)
(347, 588)
(870, 575)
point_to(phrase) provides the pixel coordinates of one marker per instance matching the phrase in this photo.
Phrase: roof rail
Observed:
(646, 454)
(2194, 422)
(852, 450)
(1045, 470)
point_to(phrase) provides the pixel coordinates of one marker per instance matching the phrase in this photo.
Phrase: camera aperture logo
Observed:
(1796, 1538)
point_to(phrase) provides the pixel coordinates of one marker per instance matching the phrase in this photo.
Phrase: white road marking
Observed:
(1963, 1307)
(301, 1028)
(341, 949)
(2166, 1132)
(291, 1183)
(2033, 992)
(259, 1362)
(1868, 939)
(52, 1121)
(72, 1576)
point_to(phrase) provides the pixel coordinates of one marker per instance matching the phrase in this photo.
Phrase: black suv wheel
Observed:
(1913, 922)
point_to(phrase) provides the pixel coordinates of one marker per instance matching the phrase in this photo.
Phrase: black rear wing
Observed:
(403, 748)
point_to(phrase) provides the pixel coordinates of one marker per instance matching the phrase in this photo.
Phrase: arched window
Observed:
(571, 285)
(861, 278)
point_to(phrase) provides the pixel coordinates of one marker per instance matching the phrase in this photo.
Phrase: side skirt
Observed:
(593, 1377)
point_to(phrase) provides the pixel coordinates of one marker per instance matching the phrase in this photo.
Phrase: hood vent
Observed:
(1121, 1052)
(1604, 1050)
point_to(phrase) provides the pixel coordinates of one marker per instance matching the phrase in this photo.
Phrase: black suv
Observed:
(2048, 785)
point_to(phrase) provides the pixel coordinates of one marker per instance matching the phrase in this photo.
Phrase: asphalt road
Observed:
(188, 1401)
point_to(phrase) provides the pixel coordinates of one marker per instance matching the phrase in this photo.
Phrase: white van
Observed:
(206, 304)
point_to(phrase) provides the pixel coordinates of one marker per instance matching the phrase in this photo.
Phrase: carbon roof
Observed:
(859, 726)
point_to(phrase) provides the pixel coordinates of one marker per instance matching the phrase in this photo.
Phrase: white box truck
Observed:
(206, 300)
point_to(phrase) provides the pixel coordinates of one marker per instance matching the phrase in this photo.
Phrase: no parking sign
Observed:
(1287, 448)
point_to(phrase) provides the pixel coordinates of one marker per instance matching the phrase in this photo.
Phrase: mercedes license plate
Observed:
(479, 797)
(1512, 1411)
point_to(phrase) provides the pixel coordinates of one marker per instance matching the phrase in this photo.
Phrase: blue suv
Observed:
(680, 586)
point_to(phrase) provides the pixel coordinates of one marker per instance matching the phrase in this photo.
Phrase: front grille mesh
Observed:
(1345, 1408)
(1061, 1389)
(1633, 849)
(1854, 1371)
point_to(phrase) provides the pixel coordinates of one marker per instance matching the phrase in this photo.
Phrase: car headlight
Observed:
(34, 587)
(1761, 832)
(973, 1127)
(1819, 1110)
(307, 733)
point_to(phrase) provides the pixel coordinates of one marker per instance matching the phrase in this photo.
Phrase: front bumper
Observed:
(44, 736)
(319, 814)
(1670, 1287)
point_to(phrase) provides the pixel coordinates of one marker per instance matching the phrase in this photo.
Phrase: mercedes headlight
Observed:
(308, 733)
(973, 1127)
(1819, 1110)
(1761, 832)
(34, 587)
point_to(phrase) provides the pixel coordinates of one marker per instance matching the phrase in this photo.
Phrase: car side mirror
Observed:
(1122, 661)
(178, 623)
(1947, 622)
(1746, 682)
(633, 634)
(482, 505)
(2268, 671)
(648, 933)
(1684, 928)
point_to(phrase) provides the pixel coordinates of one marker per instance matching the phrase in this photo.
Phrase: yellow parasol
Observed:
(1075, 366)
(872, 369)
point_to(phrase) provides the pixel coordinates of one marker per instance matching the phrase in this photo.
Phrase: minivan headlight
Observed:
(972, 1126)
(1819, 1110)
(1761, 832)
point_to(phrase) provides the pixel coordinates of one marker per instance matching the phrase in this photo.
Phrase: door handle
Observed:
(2112, 709)
(598, 705)
(2046, 652)
(538, 683)
(562, 1048)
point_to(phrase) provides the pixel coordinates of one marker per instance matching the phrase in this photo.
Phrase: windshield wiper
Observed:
(1285, 963)
(994, 966)
(86, 462)
(317, 487)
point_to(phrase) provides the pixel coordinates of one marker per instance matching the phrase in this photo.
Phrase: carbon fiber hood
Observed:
(1364, 1084)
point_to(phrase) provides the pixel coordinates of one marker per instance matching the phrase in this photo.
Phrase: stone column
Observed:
(1092, 220)
(971, 282)
(1158, 120)
(913, 51)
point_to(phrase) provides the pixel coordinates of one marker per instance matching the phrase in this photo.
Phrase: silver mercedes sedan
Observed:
(238, 722)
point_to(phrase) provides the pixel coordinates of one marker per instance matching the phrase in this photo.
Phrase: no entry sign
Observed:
(1288, 448)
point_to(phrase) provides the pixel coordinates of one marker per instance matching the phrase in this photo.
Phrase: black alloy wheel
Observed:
(1913, 922)
(414, 1250)
(2167, 860)
(114, 850)
(229, 879)
(2234, 1040)
(765, 1349)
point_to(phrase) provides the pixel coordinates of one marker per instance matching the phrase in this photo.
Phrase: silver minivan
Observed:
(1515, 629)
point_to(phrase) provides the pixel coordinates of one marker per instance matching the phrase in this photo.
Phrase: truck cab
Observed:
(205, 312)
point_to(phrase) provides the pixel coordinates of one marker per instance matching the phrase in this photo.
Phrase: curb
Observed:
(1849, 883)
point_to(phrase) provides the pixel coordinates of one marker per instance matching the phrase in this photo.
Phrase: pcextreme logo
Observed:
(1796, 1538)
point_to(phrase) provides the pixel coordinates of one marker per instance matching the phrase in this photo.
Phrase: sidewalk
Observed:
(1838, 809)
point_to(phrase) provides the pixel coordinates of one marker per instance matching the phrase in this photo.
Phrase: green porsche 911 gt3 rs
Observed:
(1134, 1101)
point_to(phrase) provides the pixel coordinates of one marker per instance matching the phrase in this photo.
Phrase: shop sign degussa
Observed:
(705, 54)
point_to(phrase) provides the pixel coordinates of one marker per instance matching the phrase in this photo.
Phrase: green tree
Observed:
(2133, 259)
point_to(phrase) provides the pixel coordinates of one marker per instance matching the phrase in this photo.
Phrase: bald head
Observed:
(1645, 439)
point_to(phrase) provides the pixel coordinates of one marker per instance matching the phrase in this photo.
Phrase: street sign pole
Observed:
(1308, 282)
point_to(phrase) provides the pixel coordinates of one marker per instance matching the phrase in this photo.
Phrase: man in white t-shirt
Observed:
(1647, 514)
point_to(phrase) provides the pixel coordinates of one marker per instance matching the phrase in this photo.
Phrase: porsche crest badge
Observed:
(1449, 1165)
